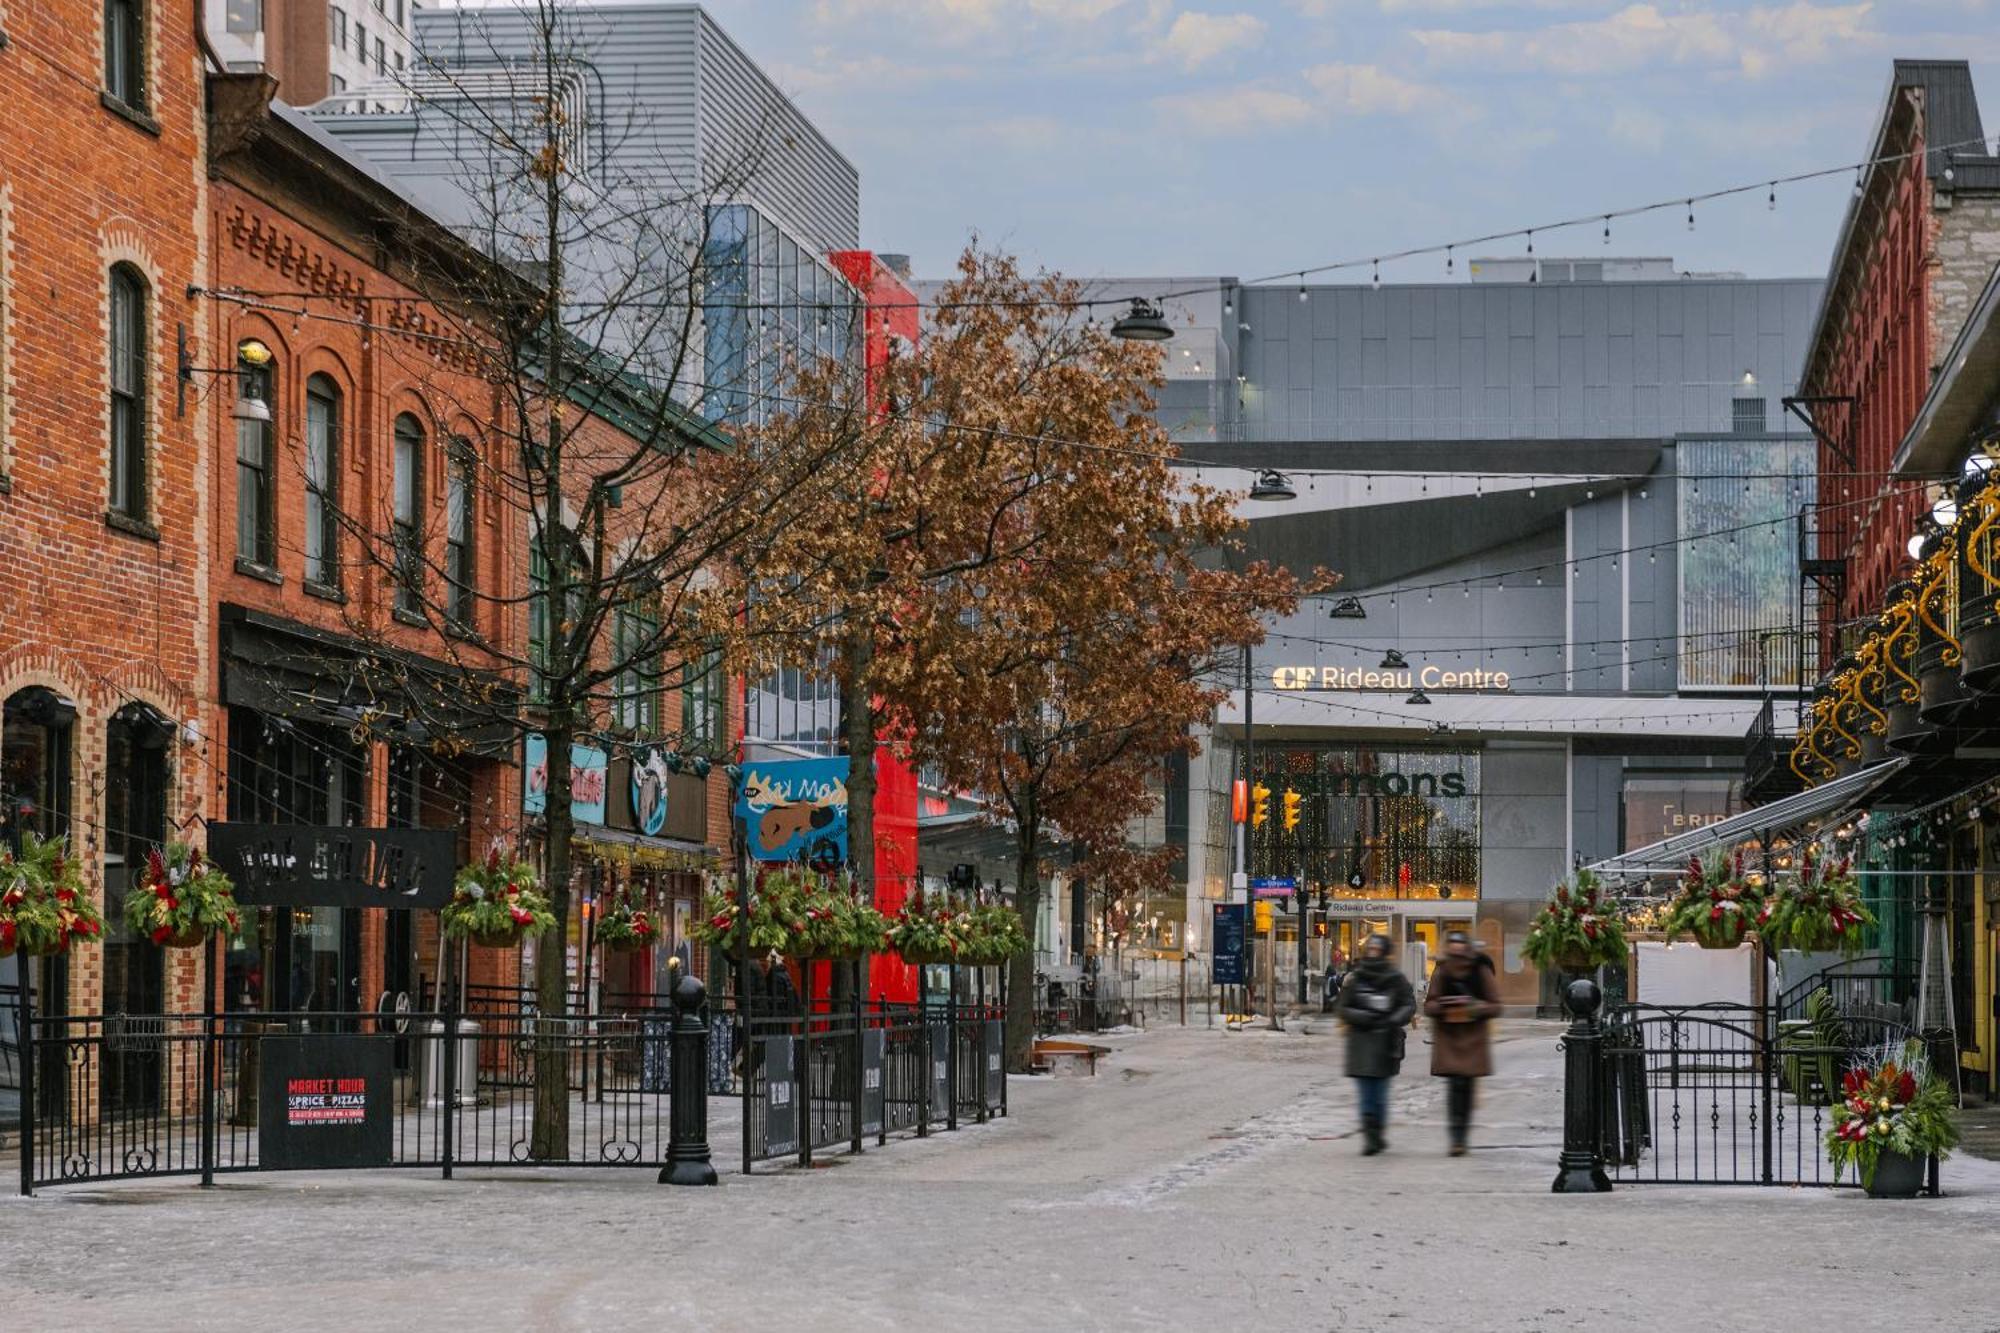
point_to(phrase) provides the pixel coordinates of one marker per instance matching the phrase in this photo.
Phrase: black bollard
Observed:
(687, 1093)
(1581, 1167)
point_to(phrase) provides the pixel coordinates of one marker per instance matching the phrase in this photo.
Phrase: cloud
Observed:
(1195, 38)
(1242, 109)
(1637, 128)
(1369, 90)
(1643, 36)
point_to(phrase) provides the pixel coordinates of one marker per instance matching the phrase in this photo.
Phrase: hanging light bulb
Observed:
(1772, 202)
(1945, 512)
(1447, 259)
(1857, 182)
(1531, 240)
(1607, 229)
(1302, 289)
(1690, 215)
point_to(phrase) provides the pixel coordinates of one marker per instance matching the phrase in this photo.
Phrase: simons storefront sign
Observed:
(1368, 678)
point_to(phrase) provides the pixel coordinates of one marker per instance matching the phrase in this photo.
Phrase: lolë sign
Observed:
(307, 865)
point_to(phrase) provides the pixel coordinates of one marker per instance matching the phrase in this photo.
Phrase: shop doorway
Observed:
(37, 736)
(135, 823)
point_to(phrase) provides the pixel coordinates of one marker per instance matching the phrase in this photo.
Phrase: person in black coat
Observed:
(1376, 1003)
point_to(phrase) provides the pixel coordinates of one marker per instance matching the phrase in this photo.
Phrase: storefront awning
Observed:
(1669, 856)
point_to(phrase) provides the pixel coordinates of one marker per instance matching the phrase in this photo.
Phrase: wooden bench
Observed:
(1047, 1055)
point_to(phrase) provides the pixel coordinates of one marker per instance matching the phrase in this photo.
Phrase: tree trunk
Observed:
(858, 726)
(549, 1139)
(1021, 968)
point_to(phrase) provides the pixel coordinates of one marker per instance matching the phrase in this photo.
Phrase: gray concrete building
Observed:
(1561, 497)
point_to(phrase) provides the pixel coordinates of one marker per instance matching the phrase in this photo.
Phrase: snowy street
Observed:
(1203, 1178)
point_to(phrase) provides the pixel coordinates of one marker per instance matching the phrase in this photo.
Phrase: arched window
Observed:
(409, 509)
(128, 392)
(125, 51)
(322, 482)
(458, 517)
(256, 470)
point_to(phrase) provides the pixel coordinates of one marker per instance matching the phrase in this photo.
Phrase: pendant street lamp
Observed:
(1273, 485)
(1393, 661)
(1418, 698)
(1349, 608)
(1142, 323)
(251, 353)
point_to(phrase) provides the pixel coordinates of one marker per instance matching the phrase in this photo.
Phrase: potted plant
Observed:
(775, 907)
(1818, 910)
(1894, 1115)
(1717, 903)
(1577, 929)
(496, 903)
(625, 928)
(849, 926)
(43, 904)
(180, 898)
(925, 932)
(992, 933)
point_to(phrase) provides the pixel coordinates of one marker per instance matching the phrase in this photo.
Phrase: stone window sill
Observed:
(409, 618)
(125, 111)
(326, 592)
(134, 527)
(263, 573)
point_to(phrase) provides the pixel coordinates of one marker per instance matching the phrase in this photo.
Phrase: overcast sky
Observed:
(1103, 137)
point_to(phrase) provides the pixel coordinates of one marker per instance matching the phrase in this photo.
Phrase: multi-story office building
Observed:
(1561, 496)
(317, 49)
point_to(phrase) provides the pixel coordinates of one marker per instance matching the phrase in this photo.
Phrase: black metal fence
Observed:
(1725, 1094)
(449, 1088)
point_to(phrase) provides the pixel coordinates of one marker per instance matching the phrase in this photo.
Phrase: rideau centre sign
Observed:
(1430, 677)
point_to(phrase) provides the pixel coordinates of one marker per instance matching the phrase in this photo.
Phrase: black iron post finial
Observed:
(1581, 1167)
(687, 1091)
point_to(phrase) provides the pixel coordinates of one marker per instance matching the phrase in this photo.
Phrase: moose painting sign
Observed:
(796, 810)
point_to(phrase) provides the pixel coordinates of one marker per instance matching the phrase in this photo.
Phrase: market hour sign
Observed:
(1430, 677)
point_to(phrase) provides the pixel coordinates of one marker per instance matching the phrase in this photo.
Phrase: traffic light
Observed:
(1260, 805)
(1292, 802)
(1319, 927)
(1263, 915)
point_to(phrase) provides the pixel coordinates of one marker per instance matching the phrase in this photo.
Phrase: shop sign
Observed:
(325, 1102)
(1429, 676)
(1230, 932)
(1273, 887)
(872, 1094)
(996, 1068)
(312, 865)
(589, 773)
(781, 1112)
(649, 793)
(940, 1065)
(796, 810)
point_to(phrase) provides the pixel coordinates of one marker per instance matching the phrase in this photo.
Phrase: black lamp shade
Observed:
(1418, 698)
(1273, 485)
(1349, 608)
(1393, 661)
(1142, 323)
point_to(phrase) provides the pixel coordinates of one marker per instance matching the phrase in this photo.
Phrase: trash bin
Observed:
(430, 1083)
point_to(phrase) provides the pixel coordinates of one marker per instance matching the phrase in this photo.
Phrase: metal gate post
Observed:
(882, 1010)
(951, 1048)
(923, 1054)
(1004, 1080)
(802, 1072)
(860, 1040)
(449, 996)
(24, 1019)
(1580, 1170)
(979, 1007)
(1767, 1044)
(208, 1040)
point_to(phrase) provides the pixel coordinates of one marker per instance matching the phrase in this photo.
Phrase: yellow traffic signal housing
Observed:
(1260, 805)
(1262, 915)
(1292, 803)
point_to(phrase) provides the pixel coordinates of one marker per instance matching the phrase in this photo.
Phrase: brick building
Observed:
(1920, 238)
(103, 504)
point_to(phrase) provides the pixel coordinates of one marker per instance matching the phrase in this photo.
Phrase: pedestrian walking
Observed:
(1462, 1002)
(1376, 1003)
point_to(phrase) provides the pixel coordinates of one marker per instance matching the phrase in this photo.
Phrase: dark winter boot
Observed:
(1371, 1136)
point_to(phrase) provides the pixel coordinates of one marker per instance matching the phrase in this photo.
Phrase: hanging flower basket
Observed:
(1577, 930)
(627, 929)
(1717, 903)
(496, 904)
(180, 898)
(43, 904)
(1819, 910)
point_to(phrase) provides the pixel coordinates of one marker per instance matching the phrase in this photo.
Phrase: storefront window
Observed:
(1658, 808)
(1739, 564)
(1364, 823)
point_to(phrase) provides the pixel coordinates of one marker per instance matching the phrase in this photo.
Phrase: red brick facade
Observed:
(98, 607)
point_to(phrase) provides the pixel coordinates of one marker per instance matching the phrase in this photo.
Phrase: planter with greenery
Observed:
(497, 903)
(43, 904)
(1717, 903)
(181, 898)
(991, 933)
(1577, 930)
(1819, 910)
(626, 929)
(1893, 1116)
(926, 930)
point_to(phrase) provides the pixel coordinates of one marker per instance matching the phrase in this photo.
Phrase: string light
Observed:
(1690, 215)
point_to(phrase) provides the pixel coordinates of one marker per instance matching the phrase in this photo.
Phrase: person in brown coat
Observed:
(1461, 1005)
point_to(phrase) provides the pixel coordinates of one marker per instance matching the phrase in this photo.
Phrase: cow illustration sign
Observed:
(796, 810)
(649, 792)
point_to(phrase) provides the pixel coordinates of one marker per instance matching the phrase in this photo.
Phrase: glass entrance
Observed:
(37, 731)
(135, 823)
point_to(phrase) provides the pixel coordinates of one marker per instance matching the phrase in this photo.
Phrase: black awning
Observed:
(288, 669)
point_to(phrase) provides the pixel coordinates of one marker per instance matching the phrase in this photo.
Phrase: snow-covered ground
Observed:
(1203, 1179)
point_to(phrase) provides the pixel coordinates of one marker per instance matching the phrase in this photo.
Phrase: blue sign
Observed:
(796, 810)
(1274, 887)
(649, 793)
(589, 775)
(1231, 934)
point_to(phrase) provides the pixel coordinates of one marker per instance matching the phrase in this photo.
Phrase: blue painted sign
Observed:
(1274, 887)
(796, 810)
(1231, 934)
(589, 776)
